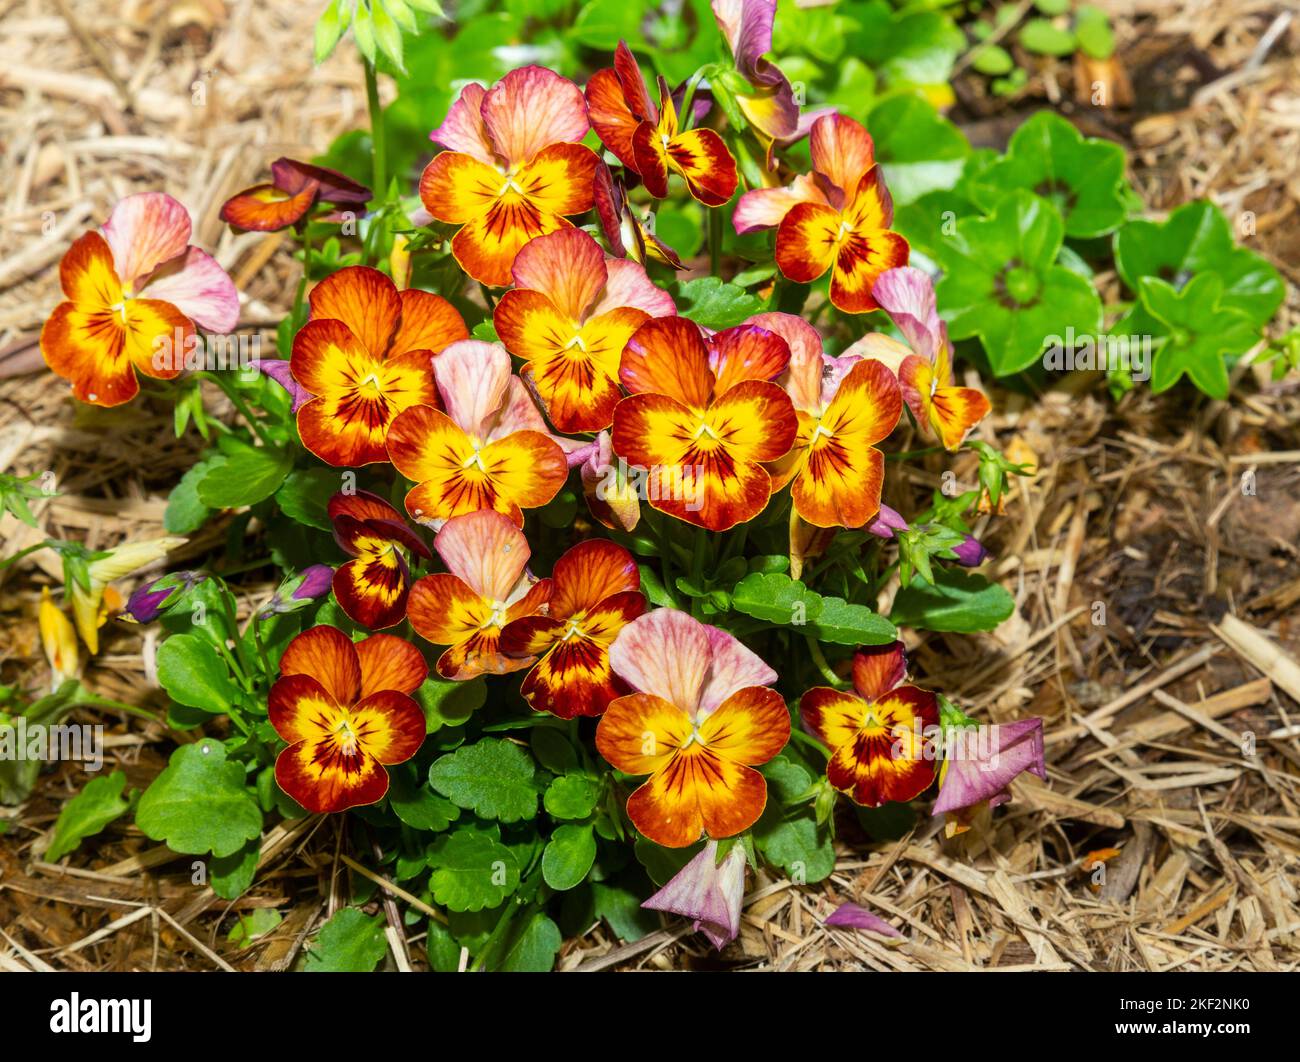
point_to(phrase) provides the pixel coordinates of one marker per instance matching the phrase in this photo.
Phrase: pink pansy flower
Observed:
(569, 316)
(707, 892)
(135, 292)
(981, 762)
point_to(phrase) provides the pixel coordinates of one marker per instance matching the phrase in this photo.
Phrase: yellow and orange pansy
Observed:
(940, 406)
(700, 720)
(134, 292)
(703, 418)
(295, 187)
(881, 735)
(489, 450)
(364, 355)
(596, 592)
(372, 587)
(346, 711)
(486, 586)
(845, 406)
(836, 218)
(648, 140)
(569, 316)
(513, 169)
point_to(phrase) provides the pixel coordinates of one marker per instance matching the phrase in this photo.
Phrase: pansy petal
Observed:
(479, 654)
(590, 572)
(907, 295)
(486, 247)
(832, 716)
(668, 356)
(88, 276)
(751, 726)
(267, 208)
(389, 725)
(746, 352)
(629, 285)
(841, 149)
(860, 260)
(443, 610)
(485, 550)
(326, 654)
(361, 505)
(559, 180)
(765, 208)
(197, 286)
(954, 411)
(157, 336)
(640, 732)
(299, 708)
(88, 349)
(611, 116)
(980, 765)
(877, 669)
(574, 677)
(526, 468)
(144, 231)
(702, 159)
(568, 267)
(426, 446)
(364, 300)
(390, 663)
(332, 187)
(530, 108)
(733, 666)
(889, 758)
(633, 83)
(428, 322)
(875, 346)
(803, 374)
(372, 589)
(807, 241)
(324, 777)
(463, 129)
(456, 187)
(472, 378)
(731, 796)
(665, 653)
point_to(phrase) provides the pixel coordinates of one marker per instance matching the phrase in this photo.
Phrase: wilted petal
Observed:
(708, 894)
(980, 763)
(851, 916)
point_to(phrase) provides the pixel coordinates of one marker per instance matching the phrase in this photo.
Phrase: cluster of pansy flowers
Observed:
(608, 371)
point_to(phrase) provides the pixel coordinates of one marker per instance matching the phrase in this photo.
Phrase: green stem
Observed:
(715, 241)
(697, 566)
(807, 739)
(379, 150)
(237, 400)
(819, 659)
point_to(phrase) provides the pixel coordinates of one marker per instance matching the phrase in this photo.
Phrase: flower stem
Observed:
(379, 150)
(819, 659)
(715, 241)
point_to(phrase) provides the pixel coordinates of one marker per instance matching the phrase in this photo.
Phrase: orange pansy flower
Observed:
(569, 316)
(365, 355)
(648, 140)
(486, 586)
(699, 722)
(372, 588)
(877, 734)
(941, 408)
(703, 417)
(845, 406)
(489, 450)
(513, 168)
(134, 292)
(596, 593)
(837, 218)
(295, 187)
(347, 713)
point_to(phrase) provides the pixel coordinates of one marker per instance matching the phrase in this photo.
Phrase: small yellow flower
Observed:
(59, 641)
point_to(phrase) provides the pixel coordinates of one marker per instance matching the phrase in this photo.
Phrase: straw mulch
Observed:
(1153, 557)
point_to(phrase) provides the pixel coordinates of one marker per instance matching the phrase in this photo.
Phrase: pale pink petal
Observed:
(664, 653)
(907, 295)
(473, 378)
(802, 378)
(629, 285)
(463, 129)
(875, 346)
(530, 108)
(807, 119)
(143, 232)
(833, 372)
(841, 149)
(851, 916)
(708, 894)
(764, 208)
(732, 667)
(567, 266)
(485, 550)
(980, 763)
(197, 286)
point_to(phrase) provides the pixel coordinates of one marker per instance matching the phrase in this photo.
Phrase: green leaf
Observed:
(448, 703)
(569, 856)
(958, 601)
(621, 908)
(185, 514)
(232, 875)
(199, 803)
(714, 304)
(331, 25)
(192, 673)
(1002, 284)
(493, 778)
(993, 61)
(1196, 238)
(847, 624)
(98, 804)
(243, 475)
(471, 870)
(256, 923)
(305, 493)
(571, 796)
(601, 24)
(350, 942)
(776, 598)
(1082, 176)
(919, 150)
(1198, 333)
(1039, 35)
(534, 949)
(553, 750)
(418, 806)
(795, 843)
(1092, 28)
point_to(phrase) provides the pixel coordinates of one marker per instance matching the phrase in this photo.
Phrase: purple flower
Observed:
(278, 370)
(151, 600)
(299, 590)
(886, 523)
(851, 916)
(767, 102)
(980, 762)
(708, 893)
(971, 552)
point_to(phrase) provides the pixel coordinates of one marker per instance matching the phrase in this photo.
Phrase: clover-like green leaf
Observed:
(243, 474)
(1198, 332)
(200, 803)
(919, 150)
(572, 796)
(844, 623)
(716, 304)
(1196, 238)
(192, 673)
(493, 778)
(775, 597)
(100, 803)
(1082, 176)
(569, 856)
(956, 601)
(1002, 284)
(350, 942)
(471, 870)
(535, 947)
